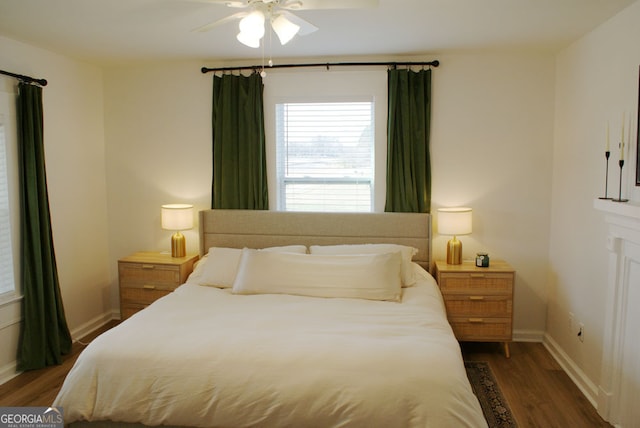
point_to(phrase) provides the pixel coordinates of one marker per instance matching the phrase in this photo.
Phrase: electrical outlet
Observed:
(581, 332)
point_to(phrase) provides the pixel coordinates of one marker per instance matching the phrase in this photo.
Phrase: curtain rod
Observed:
(434, 63)
(41, 82)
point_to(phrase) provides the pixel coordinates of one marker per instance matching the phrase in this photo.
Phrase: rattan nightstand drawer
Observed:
(149, 275)
(469, 282)
(481, 329)
(140, 296)
(478, 305)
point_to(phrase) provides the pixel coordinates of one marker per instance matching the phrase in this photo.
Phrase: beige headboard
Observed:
(260, 229)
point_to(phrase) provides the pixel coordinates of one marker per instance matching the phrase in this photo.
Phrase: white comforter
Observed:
(205, 357)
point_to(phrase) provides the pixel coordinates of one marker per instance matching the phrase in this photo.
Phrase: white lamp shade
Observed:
(251, 29)
(248, 40)
(177, 216)
(454, 221)
(284, 28)
(253, 24)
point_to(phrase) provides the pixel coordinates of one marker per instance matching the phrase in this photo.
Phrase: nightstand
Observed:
(146, 276)
(479, 301)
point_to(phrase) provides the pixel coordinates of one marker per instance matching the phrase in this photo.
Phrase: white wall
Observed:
(491, 147)
(74, 150)
(491, 150)
(596, 81)
(158, 139)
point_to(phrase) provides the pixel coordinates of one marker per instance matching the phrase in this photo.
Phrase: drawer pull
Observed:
(476, 320)
(477, 275)
(149, 287)
(148, 266)
(475, 298)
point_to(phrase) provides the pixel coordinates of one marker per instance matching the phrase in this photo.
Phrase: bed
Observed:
(288, 320)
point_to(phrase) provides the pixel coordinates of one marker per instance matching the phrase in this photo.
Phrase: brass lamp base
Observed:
(178, 245)
(454, 252)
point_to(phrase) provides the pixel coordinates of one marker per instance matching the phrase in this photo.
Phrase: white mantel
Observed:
(620, 373)
(623, 209)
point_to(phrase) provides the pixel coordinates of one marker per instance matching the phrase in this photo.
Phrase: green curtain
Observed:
(44, 336)
(239, 159)
(408, 129)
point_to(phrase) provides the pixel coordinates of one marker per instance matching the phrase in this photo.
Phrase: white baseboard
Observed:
(8, 372)
(528, 336)
(93, 324)
(588, 388)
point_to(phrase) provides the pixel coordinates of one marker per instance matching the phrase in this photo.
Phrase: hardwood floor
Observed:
(538, 391)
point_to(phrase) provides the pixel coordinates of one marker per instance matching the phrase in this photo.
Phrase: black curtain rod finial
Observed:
(26, 79)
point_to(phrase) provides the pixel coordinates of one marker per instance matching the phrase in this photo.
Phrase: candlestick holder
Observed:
(606, 177)
(621, 163)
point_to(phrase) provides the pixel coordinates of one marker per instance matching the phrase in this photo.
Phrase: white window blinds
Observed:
(325, 156)
(6, 255)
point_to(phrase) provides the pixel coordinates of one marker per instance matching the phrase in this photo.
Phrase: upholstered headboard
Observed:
(260, 229)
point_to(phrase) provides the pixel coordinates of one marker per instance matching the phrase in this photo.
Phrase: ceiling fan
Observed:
(285, 24)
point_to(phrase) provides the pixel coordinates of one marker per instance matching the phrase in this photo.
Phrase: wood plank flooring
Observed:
(538, 391)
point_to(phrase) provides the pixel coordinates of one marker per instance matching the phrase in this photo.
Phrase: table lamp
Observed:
(177, 217)
(454, 221)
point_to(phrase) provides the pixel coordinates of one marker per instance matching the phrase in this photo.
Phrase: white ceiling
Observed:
(123, 31)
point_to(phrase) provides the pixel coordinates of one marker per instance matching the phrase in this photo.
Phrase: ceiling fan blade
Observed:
(219, 22)
(328, 4)
(236, 4)
(305, 26)
(228, 3)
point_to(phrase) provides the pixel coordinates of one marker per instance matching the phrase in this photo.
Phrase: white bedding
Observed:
(205, 357)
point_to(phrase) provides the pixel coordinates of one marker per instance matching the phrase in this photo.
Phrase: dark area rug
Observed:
(494, 406)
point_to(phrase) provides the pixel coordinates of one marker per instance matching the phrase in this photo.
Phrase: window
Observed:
(325, 156)
(6, 255)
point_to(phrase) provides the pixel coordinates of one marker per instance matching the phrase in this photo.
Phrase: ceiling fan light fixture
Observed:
(252, 25)
(284, 29)
(248, 40)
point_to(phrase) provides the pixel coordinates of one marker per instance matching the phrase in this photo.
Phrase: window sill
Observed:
(9, 298)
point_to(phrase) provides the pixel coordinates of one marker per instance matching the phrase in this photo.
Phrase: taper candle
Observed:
(622, 139)
(629, 130)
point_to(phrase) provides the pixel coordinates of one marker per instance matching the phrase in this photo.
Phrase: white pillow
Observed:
(221, 264)
(221, 267)
(298, 249)
(196, 276)
(359, 276)
(407, 254)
